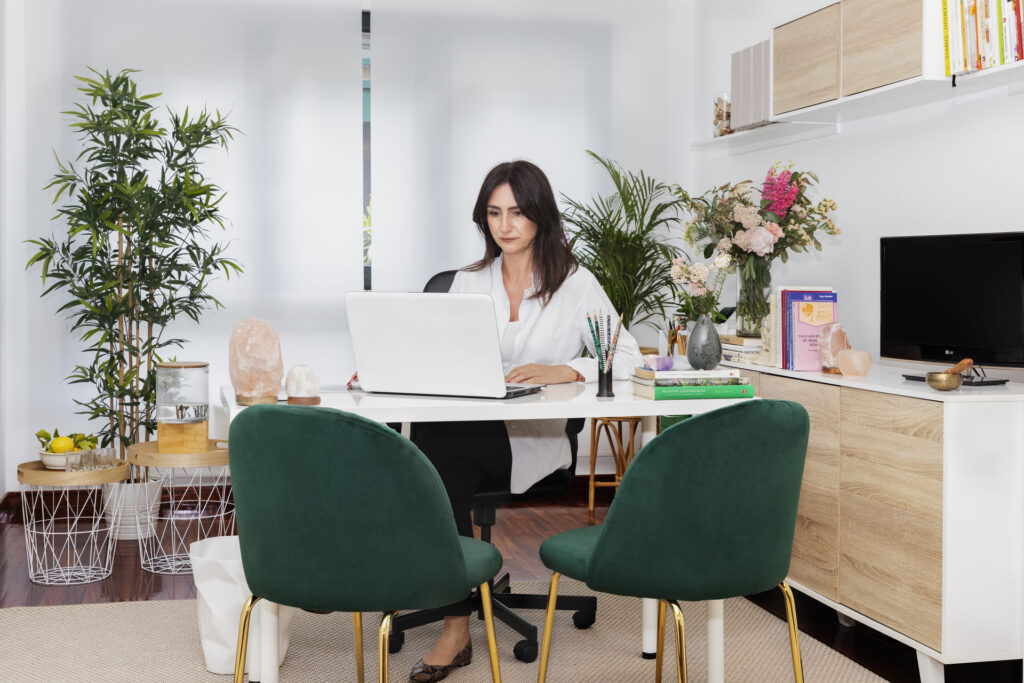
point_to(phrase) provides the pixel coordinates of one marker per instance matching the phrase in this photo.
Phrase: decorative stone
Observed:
(831, 342)
(255, 363)
(853, 363)
(655, 362)
(302, 386)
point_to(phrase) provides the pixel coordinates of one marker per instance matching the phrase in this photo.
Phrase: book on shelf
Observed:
(808, 312)
(778, 319)
(740, 358)
(736, 340)
(646, 373)
(691, 392)
(691, 381)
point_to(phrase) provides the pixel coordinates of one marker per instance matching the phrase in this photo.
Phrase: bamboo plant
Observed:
(136, 253)
(623, 240)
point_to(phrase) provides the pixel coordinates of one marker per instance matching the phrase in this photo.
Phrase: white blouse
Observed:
(553, 334)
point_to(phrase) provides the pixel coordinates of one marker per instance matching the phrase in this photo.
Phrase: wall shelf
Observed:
(770, 135)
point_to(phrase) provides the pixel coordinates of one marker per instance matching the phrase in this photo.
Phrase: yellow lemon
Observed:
(61, 444)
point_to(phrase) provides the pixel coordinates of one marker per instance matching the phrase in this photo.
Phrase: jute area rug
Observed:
(159, 640)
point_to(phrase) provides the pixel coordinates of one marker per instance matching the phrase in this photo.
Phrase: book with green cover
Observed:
(682, 392)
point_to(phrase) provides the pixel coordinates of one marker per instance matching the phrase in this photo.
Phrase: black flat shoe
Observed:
(426, 673)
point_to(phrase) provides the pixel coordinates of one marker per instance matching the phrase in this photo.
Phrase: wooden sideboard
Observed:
(910, 517)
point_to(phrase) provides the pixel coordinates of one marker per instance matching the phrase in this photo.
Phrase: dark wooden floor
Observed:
(518, 534)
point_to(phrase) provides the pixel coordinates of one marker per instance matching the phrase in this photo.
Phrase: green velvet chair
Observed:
(706, 511)
(336, 512)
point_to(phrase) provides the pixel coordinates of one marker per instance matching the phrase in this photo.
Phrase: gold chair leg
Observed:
(794, 633)
(243, 637)
(660, 649)
(357, 628)
(680, 643)
(492, 640)
(549, 622)
(382, 646)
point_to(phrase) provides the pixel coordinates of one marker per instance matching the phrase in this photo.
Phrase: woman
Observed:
(541, 299)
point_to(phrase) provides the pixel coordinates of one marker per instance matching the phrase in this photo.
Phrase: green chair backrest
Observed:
(707, 510)
(338, 512)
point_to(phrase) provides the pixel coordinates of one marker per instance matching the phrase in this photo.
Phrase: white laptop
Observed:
(430, 343)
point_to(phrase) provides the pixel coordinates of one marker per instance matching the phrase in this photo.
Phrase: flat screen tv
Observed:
(947, 297)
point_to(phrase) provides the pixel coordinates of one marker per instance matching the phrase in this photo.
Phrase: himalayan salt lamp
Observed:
(853, 363)
(255, 363)
(302, 386)
(831, 342)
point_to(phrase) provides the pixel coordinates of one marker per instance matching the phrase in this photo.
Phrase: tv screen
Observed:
(947, 297)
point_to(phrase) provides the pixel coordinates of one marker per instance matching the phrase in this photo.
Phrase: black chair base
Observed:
(503, 602)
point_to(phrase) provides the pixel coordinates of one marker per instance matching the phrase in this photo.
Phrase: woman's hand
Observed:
(534, 373)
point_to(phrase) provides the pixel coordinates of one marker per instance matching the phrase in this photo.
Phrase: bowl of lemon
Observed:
(57, 452)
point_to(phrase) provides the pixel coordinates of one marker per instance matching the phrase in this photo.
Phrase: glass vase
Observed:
(755, 282)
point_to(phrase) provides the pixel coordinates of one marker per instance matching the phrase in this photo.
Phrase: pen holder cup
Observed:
(604, 384)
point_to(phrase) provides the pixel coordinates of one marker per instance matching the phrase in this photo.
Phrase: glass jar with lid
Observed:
(182, 406)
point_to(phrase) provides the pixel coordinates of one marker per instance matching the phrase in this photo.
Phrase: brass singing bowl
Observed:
(944, 381)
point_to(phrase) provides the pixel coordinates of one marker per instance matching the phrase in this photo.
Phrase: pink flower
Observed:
(697, 289)
(762, 241)
(774, 229)
(779, 192)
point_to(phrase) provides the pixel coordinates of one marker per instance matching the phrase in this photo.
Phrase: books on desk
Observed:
(681, 384)
(685, 391)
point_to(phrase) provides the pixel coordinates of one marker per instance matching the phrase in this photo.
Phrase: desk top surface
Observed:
(555, 402)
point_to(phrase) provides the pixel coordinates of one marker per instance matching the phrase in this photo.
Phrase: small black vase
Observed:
(703, 348)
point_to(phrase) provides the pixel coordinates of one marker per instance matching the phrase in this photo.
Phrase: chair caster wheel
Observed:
(396, 641)
(525, 651)
(584, 618)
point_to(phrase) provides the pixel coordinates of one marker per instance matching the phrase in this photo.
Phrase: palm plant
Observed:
(621, 239)
(136, 253)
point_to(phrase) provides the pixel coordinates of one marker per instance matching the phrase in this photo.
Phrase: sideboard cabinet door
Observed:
(815, 561)
(890, 526)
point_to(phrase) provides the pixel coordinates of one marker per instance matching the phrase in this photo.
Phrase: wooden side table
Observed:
(197, 504)
(70, 518)
(622, 451)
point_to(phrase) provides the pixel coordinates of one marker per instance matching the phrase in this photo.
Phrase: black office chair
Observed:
(485, 504)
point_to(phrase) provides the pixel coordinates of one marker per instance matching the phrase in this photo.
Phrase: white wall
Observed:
(283, 69)
(944, 168)
(289, 75)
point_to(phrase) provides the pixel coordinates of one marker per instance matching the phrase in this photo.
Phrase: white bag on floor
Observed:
(221, 591)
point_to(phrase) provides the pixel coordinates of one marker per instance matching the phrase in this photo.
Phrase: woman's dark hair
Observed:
(553, 260)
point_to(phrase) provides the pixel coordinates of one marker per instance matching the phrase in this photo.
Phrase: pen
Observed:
(615, 341)
(597, 343)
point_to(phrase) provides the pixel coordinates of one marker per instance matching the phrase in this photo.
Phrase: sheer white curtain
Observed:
(461, 87)
(288, 74)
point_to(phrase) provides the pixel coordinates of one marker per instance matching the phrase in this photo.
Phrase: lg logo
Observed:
(948, 352)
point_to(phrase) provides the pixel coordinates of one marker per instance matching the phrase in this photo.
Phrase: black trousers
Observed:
(466, 455)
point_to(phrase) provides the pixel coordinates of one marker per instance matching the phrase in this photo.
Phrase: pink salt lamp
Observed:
(255, 363)
(831, 342)
(853, 363)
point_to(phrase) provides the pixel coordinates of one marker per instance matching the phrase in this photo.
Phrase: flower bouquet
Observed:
(700, 284)
(730, 220)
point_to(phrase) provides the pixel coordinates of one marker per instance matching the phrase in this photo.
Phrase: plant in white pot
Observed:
(136, 253)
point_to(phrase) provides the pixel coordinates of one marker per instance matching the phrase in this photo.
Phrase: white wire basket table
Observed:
(197, 503)
(69, 522)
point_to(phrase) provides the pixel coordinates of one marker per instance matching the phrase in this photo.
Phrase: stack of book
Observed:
(680, 384)
(740, 349)
(981, 34)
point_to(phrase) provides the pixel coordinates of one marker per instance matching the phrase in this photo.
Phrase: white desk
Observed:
(557, 401)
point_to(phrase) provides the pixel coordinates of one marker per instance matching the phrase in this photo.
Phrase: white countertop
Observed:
(889, 380)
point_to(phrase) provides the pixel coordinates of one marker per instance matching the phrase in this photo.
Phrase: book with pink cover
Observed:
(809, 312)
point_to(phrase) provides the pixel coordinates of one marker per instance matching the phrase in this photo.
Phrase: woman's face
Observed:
(513, 231)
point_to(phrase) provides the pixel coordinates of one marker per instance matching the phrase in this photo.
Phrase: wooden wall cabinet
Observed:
(805, 60)
(882, 43)
(911, 516)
